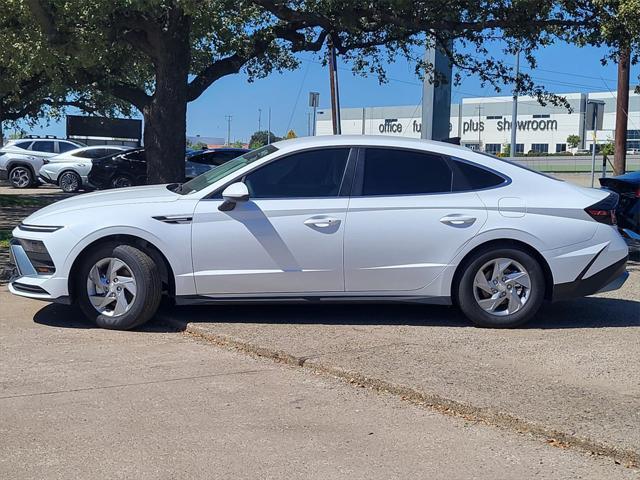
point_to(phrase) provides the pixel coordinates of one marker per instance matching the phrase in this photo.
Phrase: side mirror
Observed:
(234, 193)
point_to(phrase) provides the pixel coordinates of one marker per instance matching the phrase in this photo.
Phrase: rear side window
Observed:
(315, 173)
(135, 156)
(404, 172)
(66, 146)
(46, 147)
(470, 177)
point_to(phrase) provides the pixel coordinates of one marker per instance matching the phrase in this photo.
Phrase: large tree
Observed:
(33, 84)
(161, 54)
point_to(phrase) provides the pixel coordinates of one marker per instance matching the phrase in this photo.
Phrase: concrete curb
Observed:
(554, 437)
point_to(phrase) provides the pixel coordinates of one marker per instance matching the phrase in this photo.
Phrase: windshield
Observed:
(217, 173)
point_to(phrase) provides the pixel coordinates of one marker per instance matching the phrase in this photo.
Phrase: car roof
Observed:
(367, 140)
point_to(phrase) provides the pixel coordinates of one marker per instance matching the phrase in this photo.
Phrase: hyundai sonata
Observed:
(361, 218)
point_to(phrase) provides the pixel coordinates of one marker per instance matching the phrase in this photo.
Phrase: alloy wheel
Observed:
(20, 177)
(111, 287)
(502, 287)
(122, 182)
(69, 182)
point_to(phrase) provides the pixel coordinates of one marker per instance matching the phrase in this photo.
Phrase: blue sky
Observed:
(562, 68)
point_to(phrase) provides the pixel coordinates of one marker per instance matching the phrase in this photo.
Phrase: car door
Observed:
(287, 238)
(404, 223)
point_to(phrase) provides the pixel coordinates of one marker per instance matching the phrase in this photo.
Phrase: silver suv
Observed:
(20, 160)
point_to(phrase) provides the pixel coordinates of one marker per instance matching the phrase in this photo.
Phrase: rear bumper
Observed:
(606, 280)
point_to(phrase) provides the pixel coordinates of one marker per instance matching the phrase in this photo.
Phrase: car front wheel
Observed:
(119, 287)
(70, 182)
(501, 288)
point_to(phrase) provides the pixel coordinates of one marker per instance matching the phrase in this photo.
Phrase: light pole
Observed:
(259, 119)
(269, 129)
(314, 102)
(479, 108)
(594, 113)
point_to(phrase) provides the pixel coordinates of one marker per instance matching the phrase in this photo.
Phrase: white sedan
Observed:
(348, 218)
(69, 170)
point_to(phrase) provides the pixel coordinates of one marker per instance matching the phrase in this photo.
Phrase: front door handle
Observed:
(321, 221)
(458, 220)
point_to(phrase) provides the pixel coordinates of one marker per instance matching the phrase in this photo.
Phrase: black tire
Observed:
(69, 182)
(466, 299)
(21, 176)
(148, 286)
(121, 181)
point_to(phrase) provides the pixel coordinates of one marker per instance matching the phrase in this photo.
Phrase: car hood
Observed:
(52, 214)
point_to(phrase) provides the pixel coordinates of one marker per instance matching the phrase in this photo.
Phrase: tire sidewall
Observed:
(121, 177)
(469, 305)
(147, 290)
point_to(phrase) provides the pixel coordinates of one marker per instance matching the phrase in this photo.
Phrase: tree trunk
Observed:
(165, 116)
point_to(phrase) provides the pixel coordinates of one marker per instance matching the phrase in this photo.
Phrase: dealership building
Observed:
(485, 123)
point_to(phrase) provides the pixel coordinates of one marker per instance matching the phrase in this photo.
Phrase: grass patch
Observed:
(5, 236)
(25, 201)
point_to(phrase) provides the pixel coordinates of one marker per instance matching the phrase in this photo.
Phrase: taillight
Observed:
(605, 210)
(637, 192)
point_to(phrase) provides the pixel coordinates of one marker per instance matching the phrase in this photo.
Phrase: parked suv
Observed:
(20, 160)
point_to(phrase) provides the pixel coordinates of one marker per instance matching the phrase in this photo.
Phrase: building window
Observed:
(494, 117)
(493, 148)
(519, 147)
(540, 147)
(471, 146)
(561, 147)
(540, 115)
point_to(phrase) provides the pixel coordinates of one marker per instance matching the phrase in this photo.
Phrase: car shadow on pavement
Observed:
(591, 312)
(65, 316)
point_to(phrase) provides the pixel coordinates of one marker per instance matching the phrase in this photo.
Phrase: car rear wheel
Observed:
(70, 182)
(121, 181)
(21, 177)
(501, 288)
(118, 287)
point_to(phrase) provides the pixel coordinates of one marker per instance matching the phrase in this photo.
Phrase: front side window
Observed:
(23, 145)
(314, 173)
(46, 147)
(404, 172)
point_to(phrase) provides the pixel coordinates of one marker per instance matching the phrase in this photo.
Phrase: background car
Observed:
(130, 168)
(628, 211)
(69, 170)
(20, 160)
(201, 161)
(120, 170)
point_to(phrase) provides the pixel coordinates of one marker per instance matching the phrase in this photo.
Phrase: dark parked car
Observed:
(130, 168)
(120, 170)
(201, 161)
(628, 211)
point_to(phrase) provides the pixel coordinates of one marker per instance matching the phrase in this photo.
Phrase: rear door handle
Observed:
(321, 221)
(458, 220)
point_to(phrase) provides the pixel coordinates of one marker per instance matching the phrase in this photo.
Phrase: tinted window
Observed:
(66, 146)
(23, 145)
(404, 172)
(47, 147)
(471, 177)
(316, 173)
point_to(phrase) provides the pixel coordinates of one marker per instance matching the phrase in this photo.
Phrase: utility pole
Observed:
(308, 124)
(514, 111)
(259, 119)
(269, 129)
(228, 117)
(335, 94)
(622, 109)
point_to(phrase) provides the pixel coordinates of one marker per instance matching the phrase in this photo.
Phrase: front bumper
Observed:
(4, 175)
(25, 281)
(606, 280)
